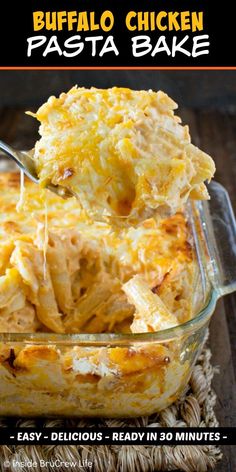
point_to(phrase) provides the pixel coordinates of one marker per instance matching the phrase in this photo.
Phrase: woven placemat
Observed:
(194, 408)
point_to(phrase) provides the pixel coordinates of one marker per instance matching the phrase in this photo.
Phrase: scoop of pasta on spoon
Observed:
(122, 153)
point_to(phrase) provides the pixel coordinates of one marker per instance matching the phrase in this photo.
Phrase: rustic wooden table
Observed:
(214, 132)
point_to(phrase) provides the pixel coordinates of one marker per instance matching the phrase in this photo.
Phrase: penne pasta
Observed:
(151, 314)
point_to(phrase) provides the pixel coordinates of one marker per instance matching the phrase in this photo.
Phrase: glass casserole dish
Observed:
(50, 374)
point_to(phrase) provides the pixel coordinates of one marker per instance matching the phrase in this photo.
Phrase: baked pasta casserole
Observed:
(63, 271)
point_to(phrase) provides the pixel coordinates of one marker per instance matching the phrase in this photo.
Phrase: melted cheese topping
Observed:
(123, 153)
(71, 270)
(46, 237)
(20, 203)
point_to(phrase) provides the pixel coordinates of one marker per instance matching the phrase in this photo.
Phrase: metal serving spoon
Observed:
(25, 162)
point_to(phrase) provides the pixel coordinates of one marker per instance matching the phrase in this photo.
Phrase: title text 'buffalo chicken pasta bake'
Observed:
(123, 153)
(62, 271)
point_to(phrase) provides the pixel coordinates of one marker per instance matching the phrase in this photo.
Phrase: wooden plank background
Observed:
(214, 132)
(196, 89)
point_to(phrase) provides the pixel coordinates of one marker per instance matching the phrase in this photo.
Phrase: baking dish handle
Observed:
(219, 226)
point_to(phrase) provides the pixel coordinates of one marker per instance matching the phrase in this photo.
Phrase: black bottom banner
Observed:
(152, 436)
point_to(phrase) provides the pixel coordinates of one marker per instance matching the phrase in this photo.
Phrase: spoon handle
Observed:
(22, 159)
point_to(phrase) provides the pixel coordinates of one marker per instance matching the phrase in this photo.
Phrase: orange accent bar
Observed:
(117, 68)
